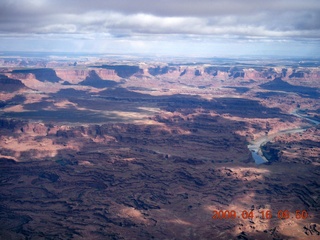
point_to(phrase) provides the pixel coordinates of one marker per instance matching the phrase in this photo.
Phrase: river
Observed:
(255, 146)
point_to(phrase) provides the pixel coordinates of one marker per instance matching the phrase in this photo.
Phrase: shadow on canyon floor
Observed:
(156, 182)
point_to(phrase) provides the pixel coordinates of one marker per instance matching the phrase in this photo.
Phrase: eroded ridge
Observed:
(107, 150)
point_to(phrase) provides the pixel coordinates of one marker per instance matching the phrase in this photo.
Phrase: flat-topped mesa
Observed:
(123, 71)
(41, 74)
(10, 85)
(76, 76)
(228, 72)
(73, 76)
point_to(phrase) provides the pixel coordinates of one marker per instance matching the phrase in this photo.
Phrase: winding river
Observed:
(255, 146)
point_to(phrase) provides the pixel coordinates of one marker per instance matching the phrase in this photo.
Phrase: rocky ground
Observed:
(151, 151)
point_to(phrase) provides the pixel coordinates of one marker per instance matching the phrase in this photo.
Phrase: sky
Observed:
(196, 28)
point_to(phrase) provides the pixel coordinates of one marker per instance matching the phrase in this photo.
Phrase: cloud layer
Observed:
(251, 20)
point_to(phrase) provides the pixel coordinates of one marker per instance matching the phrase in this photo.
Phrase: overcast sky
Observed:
(203, 28)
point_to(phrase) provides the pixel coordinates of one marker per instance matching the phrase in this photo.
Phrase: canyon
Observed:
(98, 148)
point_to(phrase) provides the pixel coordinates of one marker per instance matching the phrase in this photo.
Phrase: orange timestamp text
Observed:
(267, 214)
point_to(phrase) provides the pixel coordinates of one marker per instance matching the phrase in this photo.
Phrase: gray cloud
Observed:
(251, 18)
(163, 8)
(254, 20)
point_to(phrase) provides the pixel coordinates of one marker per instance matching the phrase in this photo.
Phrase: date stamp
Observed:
(264, 214)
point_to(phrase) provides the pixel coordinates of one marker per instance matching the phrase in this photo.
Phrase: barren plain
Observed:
(112, 149)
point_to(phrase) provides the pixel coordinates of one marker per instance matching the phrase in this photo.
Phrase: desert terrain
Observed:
(104, 148)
